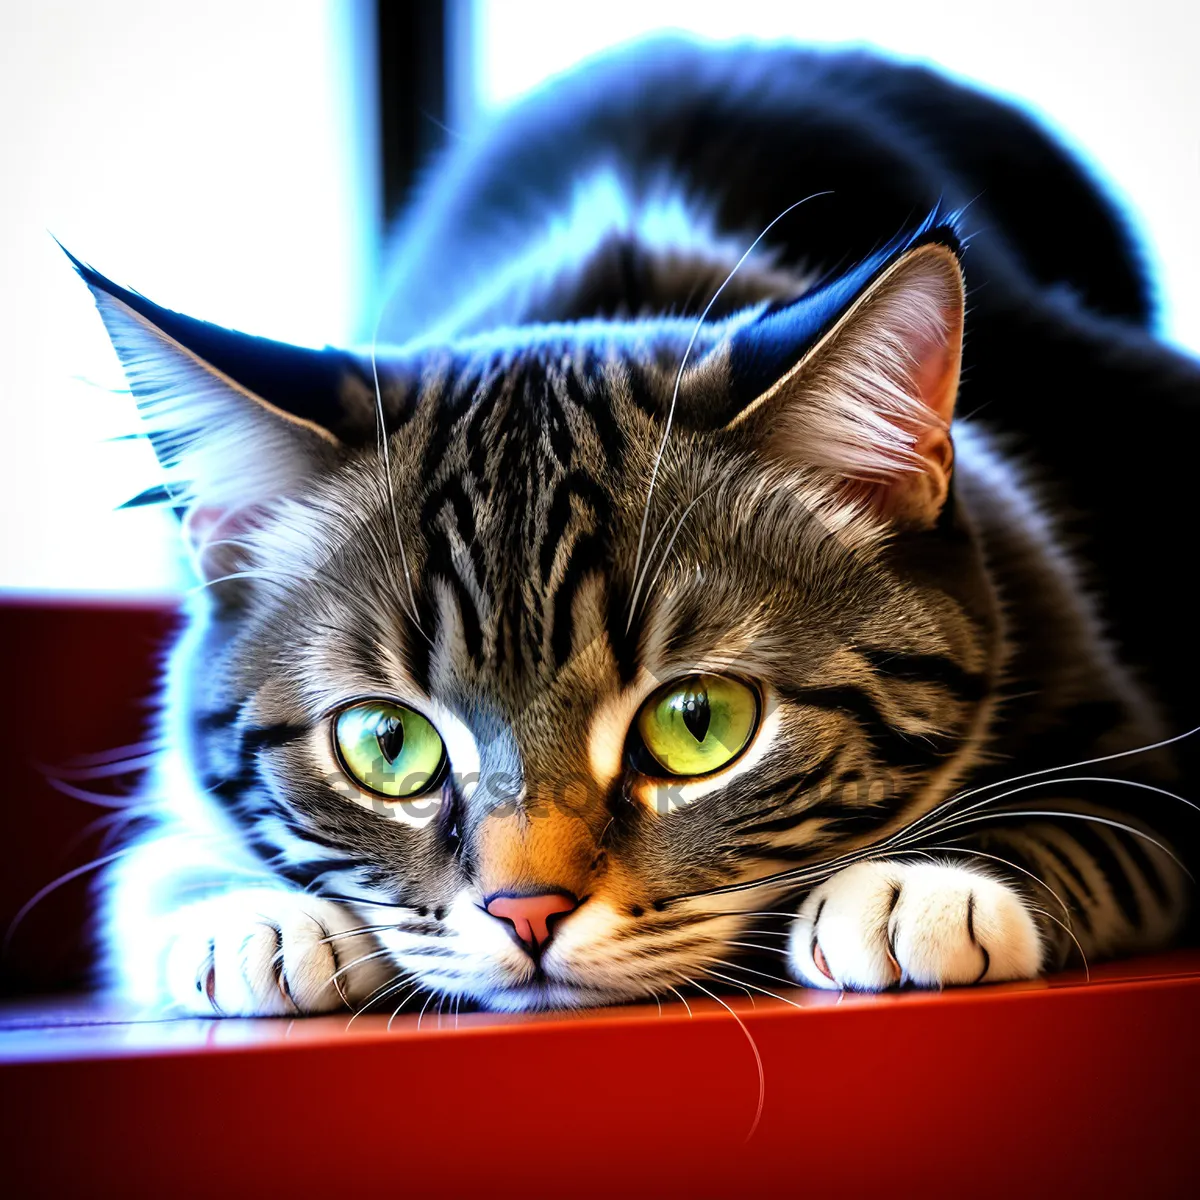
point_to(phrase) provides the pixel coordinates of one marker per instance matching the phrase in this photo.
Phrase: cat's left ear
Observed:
(869, 396)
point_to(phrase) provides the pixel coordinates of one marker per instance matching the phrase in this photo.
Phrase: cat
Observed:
(648, 613)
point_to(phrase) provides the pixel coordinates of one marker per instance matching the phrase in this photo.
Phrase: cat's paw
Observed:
(266, 952)
(877, 925)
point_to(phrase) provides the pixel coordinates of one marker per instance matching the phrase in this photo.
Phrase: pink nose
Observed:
(530, 915)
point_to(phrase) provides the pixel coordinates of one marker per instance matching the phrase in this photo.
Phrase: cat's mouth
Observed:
(558, 985)
(544, 993)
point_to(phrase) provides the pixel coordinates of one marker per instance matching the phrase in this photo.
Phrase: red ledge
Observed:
(1055, 1087)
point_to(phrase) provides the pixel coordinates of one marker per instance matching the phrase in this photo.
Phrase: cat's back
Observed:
(742, 132)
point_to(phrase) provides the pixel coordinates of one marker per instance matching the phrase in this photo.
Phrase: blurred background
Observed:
(241, 160)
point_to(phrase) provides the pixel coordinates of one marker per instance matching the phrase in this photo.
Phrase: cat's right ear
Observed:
(236, 421)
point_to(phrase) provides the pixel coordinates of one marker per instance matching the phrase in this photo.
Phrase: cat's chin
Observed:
(544, 995)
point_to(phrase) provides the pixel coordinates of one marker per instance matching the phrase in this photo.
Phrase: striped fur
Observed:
(504, 539)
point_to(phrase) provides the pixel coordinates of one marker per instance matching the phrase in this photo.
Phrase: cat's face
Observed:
(547, 718)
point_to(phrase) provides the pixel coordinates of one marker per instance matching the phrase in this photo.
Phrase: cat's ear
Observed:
(870, 391)
(236, 421)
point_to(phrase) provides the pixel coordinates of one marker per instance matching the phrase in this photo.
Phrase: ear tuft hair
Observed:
(868, 406)
(227, 451)
(221, 445)
(864, 374)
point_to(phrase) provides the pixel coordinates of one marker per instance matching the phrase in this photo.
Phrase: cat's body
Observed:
(533, 557)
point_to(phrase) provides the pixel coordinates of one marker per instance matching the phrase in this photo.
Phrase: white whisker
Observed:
(1087, 973)
(755, 986)
(355, 962)
(756, 946)
(407, 998)
(762, 1078)
(1085, 762)
(424, 1006)
(662, 446)
(996, 858)
(359, 932)
(394, 984)
(54, 885)
(1077, 816)
(640, 579)
(387, 470)
(987, 800)
(682, 999)
(666, 554)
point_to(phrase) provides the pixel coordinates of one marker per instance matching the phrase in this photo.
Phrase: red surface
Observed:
(77, 680)
(1063, 1089)
(1060, 1087)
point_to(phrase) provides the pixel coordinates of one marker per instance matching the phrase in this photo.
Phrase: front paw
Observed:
(264, 952)
(877, 925)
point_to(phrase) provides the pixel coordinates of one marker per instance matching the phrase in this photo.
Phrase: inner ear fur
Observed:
(872, 401)
(226, 452)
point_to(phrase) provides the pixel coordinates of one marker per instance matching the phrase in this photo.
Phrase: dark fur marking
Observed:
(562, 445)
(987, 964)
(1144, 865)
(451, 491)
(926, 668)
(1066, 869)
(585, 488)
(271, 737)
(896, 747)
(587, 557)
(610, 434)
(220, 718)
(640, 391)
(889, 930)
(440, 563)
(306, 874)
(795, 785)
(476, 442)
(1093, 843)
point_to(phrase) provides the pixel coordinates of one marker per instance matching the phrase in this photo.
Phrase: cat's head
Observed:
(580, 647)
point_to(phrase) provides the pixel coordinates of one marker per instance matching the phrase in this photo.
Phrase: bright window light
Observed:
(1118, 81)
(216, 157)
(220, 158)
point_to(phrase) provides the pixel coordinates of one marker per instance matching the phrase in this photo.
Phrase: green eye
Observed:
(697, 725)
(388, 749)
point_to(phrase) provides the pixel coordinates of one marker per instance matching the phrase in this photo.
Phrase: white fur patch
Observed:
(266, 952)
(879, 924)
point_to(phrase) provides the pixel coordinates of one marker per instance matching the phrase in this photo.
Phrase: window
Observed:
(222, 158)
(217, 157)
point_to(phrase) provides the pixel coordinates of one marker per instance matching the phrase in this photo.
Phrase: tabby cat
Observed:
(640, 617)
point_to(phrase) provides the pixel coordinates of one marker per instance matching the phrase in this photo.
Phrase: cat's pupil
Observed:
(389, 733)
(696, 713)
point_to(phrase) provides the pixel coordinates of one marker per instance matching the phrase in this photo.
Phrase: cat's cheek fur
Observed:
(876, 925)
(267, 952)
